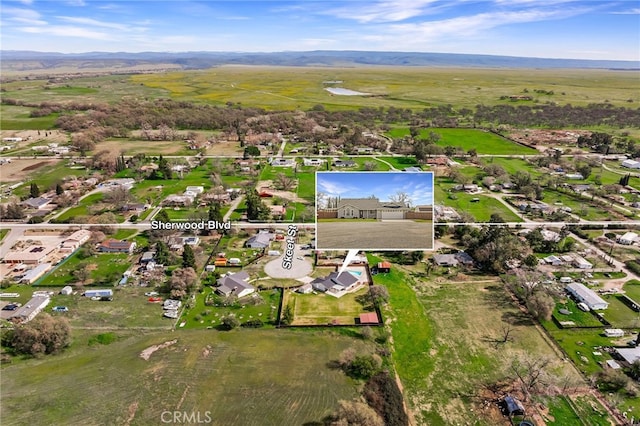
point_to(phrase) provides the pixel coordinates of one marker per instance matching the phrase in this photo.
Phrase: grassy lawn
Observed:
(632, 289)
(49, 175)
(619, 314)
(401, 162)
(482, 142)
(481, 210)
(561, 413)
(14, 117)
(580, 206)
(248, 377)
(445, 335)
(590, 410)
(105, 269)
(579, 317)
(322, 308)
(202, 315)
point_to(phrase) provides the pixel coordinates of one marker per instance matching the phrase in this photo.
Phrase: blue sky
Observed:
(539, 28)
(419, 186)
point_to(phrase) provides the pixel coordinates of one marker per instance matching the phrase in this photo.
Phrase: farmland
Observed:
(284, 375)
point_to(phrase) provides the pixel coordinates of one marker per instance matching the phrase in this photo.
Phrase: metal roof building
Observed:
(587, 296)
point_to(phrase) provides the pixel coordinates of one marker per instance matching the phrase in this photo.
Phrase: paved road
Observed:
(383, 235)
(300, 266)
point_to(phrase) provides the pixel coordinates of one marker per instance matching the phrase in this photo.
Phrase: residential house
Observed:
(260, 240)
(147, 256)
(364, 150)
(134, 207)
(29, 310)
(631, 164)
(105, 292)
(313, 161)
(283, 162)
(553, 260)
(628, 355)
(453, 259)
(628, 238)
(437, 161)
(344, 163)
(574, 176)
(587, 296)
(235, 285)
(370, 208)
(115, 246)
(195, 189)
(36, 203)
(174, 200)
(75, 240)
(336, 283)
(581, 263)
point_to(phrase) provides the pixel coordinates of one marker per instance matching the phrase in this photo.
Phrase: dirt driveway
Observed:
(383, 235)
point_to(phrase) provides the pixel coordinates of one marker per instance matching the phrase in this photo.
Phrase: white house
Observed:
(32, 308)
(581, 263)
(628, 238)
(587, 296)
(631, 164)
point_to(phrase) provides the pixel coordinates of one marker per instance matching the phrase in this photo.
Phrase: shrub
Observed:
(384, 396)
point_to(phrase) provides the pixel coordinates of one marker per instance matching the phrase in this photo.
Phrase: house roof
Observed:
(116, 245)
(384, 265)
(586, 294)
(234, 283)
(36, 203)
(261, 238)
(342, 279)
(369, 318)
(360, 203)
(630, 355)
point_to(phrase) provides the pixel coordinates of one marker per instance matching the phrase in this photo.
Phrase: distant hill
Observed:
(30, 60)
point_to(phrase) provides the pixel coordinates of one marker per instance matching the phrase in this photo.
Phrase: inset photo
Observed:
(374, 210)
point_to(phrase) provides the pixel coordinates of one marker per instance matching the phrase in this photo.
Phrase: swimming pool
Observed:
(358, 273)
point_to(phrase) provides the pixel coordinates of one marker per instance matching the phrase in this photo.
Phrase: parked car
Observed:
(151, 293)
(11, 307)
(60, 309)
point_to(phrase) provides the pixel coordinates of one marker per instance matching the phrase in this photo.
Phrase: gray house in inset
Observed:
(370, 208)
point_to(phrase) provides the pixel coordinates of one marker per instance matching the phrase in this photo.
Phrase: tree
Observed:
(353, 413)
(183, 280)
(162, 216)
(252, 151)
(230, 322)
(284, 182)
(188, 258)
(384, 396)
(531, 261)
(287, 314)
(584, 169)
(256, 209)
(540, 305)
(162, 253)
(530, 372)
(34, 191)
(81, 273)
(13, 211)
(364, 366)
(59, 189)
(403, 198)
(43, 335)
(379, 294)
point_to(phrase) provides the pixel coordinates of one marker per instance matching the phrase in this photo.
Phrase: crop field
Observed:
(419, 87)
(445, 337)
(248, 377)
(318, 309)
(483, 142)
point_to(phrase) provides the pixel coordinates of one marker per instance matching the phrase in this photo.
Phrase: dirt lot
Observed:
(18, 170)
(384, 235)
(31, 136)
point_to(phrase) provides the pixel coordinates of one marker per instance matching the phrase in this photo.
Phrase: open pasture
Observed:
(248, 377)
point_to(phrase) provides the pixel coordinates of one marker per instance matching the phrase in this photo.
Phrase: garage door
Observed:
(392, 215)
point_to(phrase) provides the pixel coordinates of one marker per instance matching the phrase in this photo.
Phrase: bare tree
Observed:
(530, 373)
(402, 198)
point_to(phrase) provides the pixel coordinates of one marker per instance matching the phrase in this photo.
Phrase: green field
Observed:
(483, 142)
(322, 309)
(104, 269)
(14, 117)
(243, 377)
(444, 335)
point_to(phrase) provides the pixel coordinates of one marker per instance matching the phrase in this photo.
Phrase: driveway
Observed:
(382, 235)
(300, 266)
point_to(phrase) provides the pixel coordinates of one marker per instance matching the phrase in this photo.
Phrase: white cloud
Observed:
(67, 31)
(93, 22)
(386, 11)
(635, 11)
(333, 188)
(23, 16)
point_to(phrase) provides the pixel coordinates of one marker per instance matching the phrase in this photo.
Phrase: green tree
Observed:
(230, 322)
(59, 189)
(251, 151)
(188, 258)
(531, 261)
(34, 191)
(256, 209)
(364, 366)
(162, 216)
(44, 335)
(214, 212)
(287, 314)
(162, 253)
